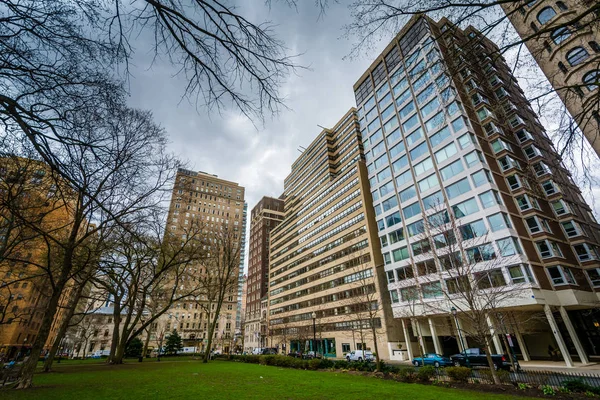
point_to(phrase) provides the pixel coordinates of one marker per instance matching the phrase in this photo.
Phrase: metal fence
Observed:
(533, 378)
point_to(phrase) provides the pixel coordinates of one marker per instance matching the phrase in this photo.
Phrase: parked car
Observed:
(360, 355)
(437, 360)
(295, 354)
(477, 358)
(269, 351)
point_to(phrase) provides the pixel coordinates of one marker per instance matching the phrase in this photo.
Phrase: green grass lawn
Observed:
(219, 380)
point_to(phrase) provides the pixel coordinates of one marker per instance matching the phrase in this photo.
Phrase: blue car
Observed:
(437, 360)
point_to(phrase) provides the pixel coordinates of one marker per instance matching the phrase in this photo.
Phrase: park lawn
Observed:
(220, 380)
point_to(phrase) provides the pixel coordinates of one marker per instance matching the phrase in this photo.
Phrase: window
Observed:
(384, 174)
(585, 252)
(592, 80)
(393, 297)
(509, 247)
(400, 163)
(432, 290)
(560, 207)
(412, 210)
(560, 275)
(498, 221)
(571, 228)
(457, 285)
(545, 15)
(396, 236)
(433, 201)
(440, 136)
(550, 188)
(398, 148)
(541, 169)
(386, 189)
(561, 6)
(594, 46)
(458, 188)
(416, 228)
(389, 203)
(594, 275)
(526, 203)
(399, 255)
(452, 170)
(430, 107)
(466, 140)
(514, 182)
(489, 198)
(420, 247)
(489, 279)
(548, 249)
(408, 194)
(435, 122)
(445, 153)
(411, 123)
(499, 145)
(560, 35)
(465, 208)
(419, 151)
(562, 67)
(404, 178)
(534, 224)
(407, 110)
(428, 183)
(423, 166)
(480, 177)
(520, 274)
(473, 158)
(473, 230)
(444, 239)
(577, 55)
(409, 293)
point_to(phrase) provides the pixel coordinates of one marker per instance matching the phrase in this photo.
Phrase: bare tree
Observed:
(365, 307)
(217, 278)
(120, 168)
(145, 272)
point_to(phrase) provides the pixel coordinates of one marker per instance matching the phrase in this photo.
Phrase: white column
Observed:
(571, 329)
(460, 334)
(407, 340)
(524, 351)
(436, 339)
(559, 339)
(420, 336)
(495, 337)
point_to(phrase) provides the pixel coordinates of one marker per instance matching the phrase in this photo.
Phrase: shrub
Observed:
(406, 375)
(424, 374)
(314, 364)
(341, 364)
(576, 385)
(548, 390)
(326, 363)
(459, 374)
(503, 375)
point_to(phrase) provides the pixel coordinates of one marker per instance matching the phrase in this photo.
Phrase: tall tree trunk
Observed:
(488, 355)
(26, 376)
(146, 343)
(377, 359)
(63, 328)
(115, 334)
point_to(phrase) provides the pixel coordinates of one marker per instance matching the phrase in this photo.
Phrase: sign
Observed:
(509, 338)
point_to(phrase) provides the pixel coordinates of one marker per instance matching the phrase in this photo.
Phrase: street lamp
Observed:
(454, 312)
(314, 317)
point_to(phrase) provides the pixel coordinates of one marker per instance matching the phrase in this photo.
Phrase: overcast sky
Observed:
(229, 145)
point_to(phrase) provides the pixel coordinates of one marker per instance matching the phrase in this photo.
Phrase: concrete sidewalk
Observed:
(592, 367)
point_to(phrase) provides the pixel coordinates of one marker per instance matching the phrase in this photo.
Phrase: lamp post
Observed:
(23, 348)
(314, 317)
(462, 343)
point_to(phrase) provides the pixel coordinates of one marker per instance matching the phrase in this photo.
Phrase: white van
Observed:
(360, 355)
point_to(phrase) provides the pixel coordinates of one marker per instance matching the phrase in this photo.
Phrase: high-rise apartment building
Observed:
(325, 262)
(451, 141)
(566, 45)
(241, 282)
(28, 192)
(214, 204)
(265, 216)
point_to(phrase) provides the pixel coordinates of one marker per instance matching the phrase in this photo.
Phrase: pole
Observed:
(315, 337)
(462, 343)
